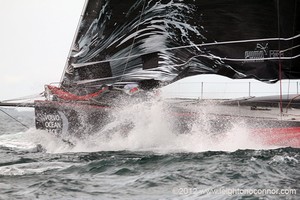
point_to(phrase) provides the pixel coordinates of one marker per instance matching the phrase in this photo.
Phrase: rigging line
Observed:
(24, 98)
(279, 61)
(198, 45)
(14, 118)
(294, 30)
(137, 28)
(288, 105)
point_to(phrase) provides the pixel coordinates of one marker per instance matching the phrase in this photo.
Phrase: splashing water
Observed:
(141, 126)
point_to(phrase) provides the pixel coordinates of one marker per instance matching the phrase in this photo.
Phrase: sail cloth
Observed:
(166, 40)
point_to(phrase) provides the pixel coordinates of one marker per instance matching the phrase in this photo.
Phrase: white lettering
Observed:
(48, 117)
(254, 55)
(276, 54)
(53, 117)
(52, 125)
(55, 131)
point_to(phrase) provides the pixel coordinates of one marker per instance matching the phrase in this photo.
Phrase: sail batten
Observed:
(206, 45)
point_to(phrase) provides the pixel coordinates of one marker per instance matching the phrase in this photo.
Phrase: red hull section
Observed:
(67, 96)
(288, 136)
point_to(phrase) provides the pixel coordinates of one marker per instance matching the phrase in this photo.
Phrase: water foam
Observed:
(31, 139)
(20, 140)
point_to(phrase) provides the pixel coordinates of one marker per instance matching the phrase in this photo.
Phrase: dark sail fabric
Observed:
(166, 40)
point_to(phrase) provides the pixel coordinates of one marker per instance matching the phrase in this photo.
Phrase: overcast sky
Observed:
(35, 39)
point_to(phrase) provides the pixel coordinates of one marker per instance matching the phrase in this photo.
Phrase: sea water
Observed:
(150, 161)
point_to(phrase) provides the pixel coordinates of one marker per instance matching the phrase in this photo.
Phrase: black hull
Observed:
(61, 118)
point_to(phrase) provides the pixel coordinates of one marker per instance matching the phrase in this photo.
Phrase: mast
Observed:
(74, 40)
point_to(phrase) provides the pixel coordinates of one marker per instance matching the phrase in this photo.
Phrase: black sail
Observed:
(166, 40)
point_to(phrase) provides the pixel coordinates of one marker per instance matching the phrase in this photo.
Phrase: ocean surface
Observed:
(149, 163)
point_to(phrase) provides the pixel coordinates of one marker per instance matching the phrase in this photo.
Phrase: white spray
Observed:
(142, 126)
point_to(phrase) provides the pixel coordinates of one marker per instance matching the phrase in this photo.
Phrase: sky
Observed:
(35, 39)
